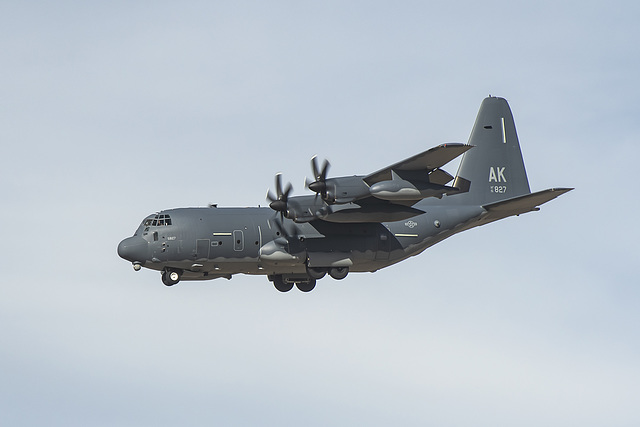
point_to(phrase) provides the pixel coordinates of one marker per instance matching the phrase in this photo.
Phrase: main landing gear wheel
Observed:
(306, 286)
(281, 285)
(338, 273)
(316, 273)
(170, 277)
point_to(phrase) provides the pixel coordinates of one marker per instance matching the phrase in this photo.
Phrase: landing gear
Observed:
(316, 273)
(306, 282)
(281, 284)
(285, 283)
(170, 277)
(306, 286)
(338, 273)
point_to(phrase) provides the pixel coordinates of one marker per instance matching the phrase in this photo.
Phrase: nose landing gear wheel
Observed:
(170, 277)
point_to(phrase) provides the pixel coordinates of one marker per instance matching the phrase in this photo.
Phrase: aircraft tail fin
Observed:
(494, 169)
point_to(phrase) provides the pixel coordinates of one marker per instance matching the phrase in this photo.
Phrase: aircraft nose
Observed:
(133, 249)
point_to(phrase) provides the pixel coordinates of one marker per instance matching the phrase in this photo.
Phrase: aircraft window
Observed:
(157, 221)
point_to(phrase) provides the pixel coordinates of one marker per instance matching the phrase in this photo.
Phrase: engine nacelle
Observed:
(346, 189)
(306, 208)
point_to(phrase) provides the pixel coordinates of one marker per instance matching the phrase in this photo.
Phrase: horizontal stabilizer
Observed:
(522, 204)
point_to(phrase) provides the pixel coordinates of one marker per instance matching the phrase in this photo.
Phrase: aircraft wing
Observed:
(385, 195)
(428, 161)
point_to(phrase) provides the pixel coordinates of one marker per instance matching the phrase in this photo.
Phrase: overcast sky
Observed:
(110, 111)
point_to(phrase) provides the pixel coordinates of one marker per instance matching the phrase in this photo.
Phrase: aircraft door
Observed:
(202, 248)
(238, 240)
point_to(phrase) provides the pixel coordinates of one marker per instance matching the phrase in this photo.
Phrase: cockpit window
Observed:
(159, 220)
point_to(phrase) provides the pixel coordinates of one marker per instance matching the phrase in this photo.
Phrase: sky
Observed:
(110, 111)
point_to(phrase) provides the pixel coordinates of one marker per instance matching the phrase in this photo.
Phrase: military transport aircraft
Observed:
(357, 223)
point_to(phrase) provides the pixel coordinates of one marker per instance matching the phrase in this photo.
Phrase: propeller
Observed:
(279, 201)
(319, 186)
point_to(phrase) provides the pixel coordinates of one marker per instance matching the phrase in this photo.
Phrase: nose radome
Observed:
(133, 249)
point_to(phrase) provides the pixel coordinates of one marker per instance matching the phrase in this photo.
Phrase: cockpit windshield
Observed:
(159, 220)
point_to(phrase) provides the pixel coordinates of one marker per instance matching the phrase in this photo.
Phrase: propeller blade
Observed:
(280, 226)
(287, 190)
(325, 169)
(314, 168)
(279, 185)
(287, 234)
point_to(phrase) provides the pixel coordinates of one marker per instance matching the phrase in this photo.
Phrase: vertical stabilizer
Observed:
(494, 167)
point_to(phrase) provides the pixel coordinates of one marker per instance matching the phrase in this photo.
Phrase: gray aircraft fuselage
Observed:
(353, 224)
(227, 241)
